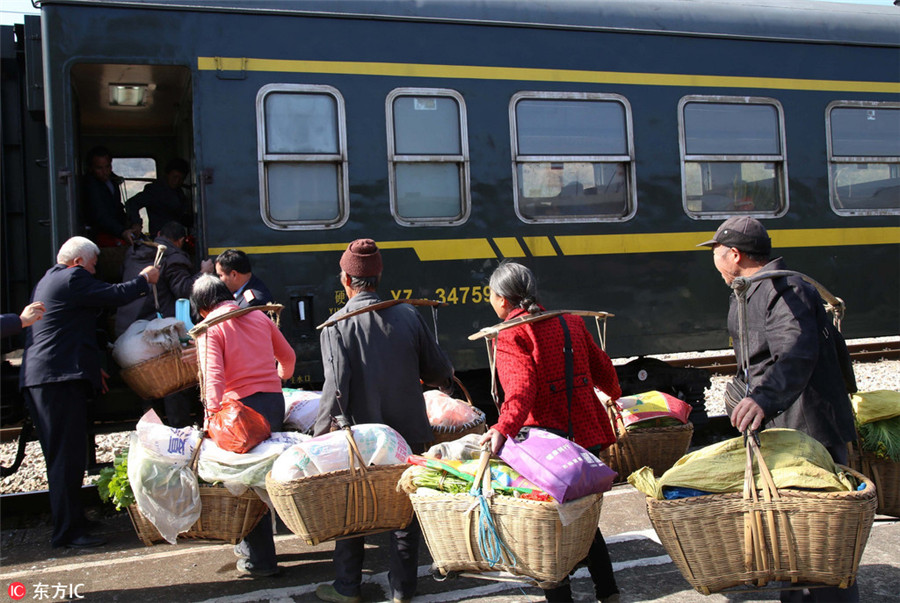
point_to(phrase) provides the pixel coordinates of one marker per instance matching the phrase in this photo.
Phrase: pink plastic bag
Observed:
(560, 467)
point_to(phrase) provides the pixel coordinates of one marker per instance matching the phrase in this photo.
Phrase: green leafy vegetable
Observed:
(113, 485)
(881, 438)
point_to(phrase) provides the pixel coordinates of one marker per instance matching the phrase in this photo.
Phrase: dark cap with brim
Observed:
(744, 233)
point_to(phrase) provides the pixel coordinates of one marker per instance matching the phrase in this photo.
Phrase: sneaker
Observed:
(240, 551)
(246, 568)
(326, 592)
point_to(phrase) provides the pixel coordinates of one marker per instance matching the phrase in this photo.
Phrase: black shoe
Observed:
(246, 568)
(86, 541)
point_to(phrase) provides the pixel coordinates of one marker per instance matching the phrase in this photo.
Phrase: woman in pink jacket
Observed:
(244, 357)
(531, 366)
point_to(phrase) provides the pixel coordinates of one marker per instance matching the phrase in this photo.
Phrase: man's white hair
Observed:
(77, 247)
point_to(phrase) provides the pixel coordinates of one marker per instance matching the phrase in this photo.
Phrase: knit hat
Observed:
(744, 233)
(362, 259)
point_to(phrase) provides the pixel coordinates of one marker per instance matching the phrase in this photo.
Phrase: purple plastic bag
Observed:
(561, 468)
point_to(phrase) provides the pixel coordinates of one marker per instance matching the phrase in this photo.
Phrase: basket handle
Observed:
(616, 419)
(464, 390)
(755, 554)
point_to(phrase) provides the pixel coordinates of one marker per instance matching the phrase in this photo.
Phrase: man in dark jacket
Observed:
(233, 267)
(795, 377)
(374, 360)
(164, 199)
(106, 222)
(61, 372)
(176, 279)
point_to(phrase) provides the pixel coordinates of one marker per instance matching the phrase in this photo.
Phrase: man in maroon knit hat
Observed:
(375, 362)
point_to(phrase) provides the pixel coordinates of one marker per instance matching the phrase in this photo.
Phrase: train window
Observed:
(302, 153)
(732, 156)
(573, 157)
(864, 157)
(428, 155)
(136, 173)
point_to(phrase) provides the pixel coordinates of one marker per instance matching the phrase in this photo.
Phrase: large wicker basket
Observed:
(655, 447)
(725, 540)
(352, 502)
(544, 550)
(448, 434)
(886, 475)
(223, 516)
(160, 376)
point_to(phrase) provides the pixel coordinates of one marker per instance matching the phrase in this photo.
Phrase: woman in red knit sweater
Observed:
(532, 371)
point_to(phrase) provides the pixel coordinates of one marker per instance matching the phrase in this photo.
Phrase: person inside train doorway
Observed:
(795, 376)
(164, 199)
(106, 222)
(61, 372)
(177, 276)
(375, 362)
(233, 267)
(530, 359)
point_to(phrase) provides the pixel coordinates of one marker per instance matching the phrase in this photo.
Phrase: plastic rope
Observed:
(490, 545)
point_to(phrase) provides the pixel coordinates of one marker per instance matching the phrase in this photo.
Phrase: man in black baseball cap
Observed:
(741, 247)
(794, 377)
(744, 233)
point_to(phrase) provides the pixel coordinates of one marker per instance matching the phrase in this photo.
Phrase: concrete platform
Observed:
(126, 571)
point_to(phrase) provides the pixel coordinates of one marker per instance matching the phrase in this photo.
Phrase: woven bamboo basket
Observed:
(884, 473)
(448, 434)
(544, 550)
(223, 516)
(160, 376)
(656, 447)
(724, 540)
(352, 502)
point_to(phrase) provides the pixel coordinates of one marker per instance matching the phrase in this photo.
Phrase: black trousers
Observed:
(403, 567)
(59, 411)
(599, 565)
(827, 594)
(403, 562)
(260, 542)
(179, 407)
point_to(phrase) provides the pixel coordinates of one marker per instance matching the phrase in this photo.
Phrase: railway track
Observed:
(724, 364)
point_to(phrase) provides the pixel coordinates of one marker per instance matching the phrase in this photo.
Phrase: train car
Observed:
(595, 142)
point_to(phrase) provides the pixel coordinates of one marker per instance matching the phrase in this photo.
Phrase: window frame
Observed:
(339, 159)
(629, 158)
(781, 159)
(462, 160)
(832, 193)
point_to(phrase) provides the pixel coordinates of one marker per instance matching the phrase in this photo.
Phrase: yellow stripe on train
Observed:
(571, 245)
(537, 75)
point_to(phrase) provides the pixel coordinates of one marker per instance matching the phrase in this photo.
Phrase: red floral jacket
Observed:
(532, 371)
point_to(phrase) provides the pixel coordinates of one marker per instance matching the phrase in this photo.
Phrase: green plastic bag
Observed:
(795, 460)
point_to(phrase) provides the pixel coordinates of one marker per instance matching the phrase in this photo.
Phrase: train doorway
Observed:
(142, 114)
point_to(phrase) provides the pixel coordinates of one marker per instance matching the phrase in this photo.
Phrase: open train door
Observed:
(142, 114)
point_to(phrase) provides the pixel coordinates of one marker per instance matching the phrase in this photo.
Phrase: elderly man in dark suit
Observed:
(61, 371)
